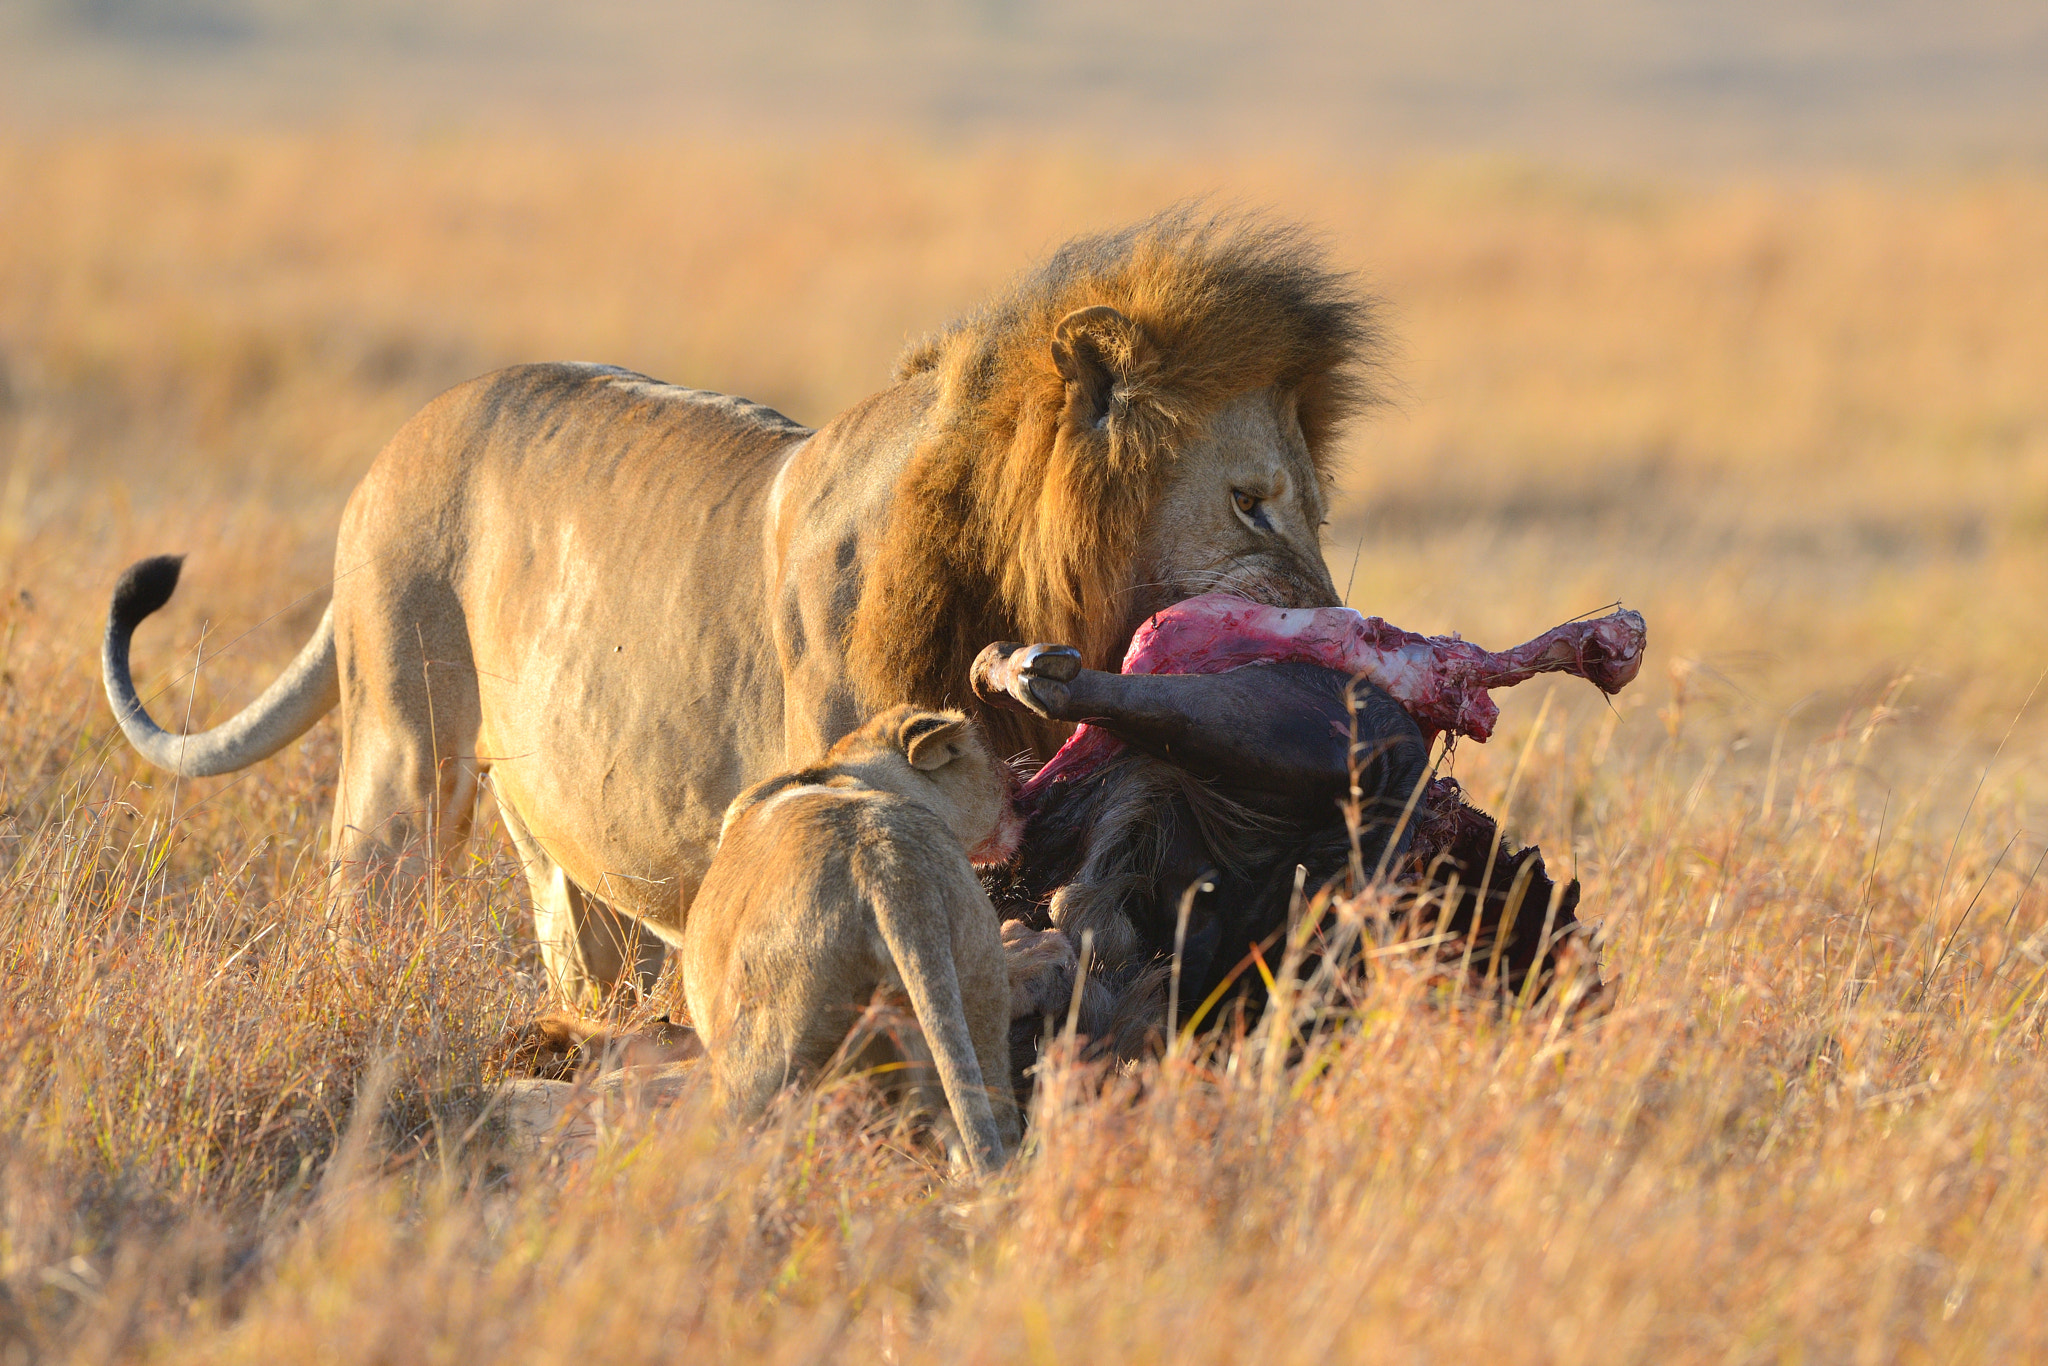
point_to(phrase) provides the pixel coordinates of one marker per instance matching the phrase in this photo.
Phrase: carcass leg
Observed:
(1286, 738)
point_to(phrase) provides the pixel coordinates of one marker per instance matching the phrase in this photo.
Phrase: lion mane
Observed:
(1019, 514)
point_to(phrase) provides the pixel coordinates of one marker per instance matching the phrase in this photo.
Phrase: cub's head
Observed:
(937, 759)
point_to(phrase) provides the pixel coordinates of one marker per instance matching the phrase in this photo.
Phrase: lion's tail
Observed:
(305, 692)
(933, 984)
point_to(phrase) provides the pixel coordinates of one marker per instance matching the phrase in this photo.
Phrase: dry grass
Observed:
(1801, 428)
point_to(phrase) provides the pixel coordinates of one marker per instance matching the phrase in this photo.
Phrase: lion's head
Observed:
(1146, 417)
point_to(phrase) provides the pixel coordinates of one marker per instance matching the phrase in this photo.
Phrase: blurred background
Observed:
(1735, 312)
(1646, 83)
(1732, 311)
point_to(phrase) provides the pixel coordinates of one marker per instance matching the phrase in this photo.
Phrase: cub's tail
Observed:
(916, 925)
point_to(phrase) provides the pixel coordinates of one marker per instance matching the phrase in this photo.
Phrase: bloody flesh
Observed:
(1441, 681)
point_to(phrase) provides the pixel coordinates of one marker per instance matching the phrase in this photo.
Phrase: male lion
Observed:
(847, 876)
(625, 601)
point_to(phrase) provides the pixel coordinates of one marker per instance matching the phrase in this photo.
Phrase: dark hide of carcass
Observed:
(1127, 846)
(1226, 788)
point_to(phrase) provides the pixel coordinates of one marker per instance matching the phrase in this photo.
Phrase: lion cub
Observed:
(852, 875)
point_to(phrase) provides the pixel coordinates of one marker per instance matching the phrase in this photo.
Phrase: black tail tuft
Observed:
(146, 586)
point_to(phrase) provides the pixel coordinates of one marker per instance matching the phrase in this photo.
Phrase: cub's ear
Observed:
(1095, 349)
(933, 739)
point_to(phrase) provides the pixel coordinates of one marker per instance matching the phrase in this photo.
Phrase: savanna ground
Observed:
(1802, 427)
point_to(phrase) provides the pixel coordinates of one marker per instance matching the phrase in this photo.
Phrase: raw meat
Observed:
(1441, 681)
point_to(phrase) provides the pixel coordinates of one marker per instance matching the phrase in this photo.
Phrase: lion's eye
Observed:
(1246, 503)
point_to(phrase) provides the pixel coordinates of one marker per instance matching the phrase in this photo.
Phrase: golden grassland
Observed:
(1803, 427)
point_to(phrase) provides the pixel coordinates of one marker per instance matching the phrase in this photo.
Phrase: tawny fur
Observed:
(618, 602)
(844, 878)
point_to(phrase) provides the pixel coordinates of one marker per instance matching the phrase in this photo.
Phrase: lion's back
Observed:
(596, 418)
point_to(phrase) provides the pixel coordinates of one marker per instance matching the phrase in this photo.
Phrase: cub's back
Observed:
(811, 855)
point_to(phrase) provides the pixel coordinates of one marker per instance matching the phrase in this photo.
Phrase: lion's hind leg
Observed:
(589, 949)
(406, 796)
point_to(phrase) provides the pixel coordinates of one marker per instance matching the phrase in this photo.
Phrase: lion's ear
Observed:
(1095, 349)
(933, 739)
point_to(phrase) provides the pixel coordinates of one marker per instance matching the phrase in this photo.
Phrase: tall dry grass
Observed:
(1800, 427)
